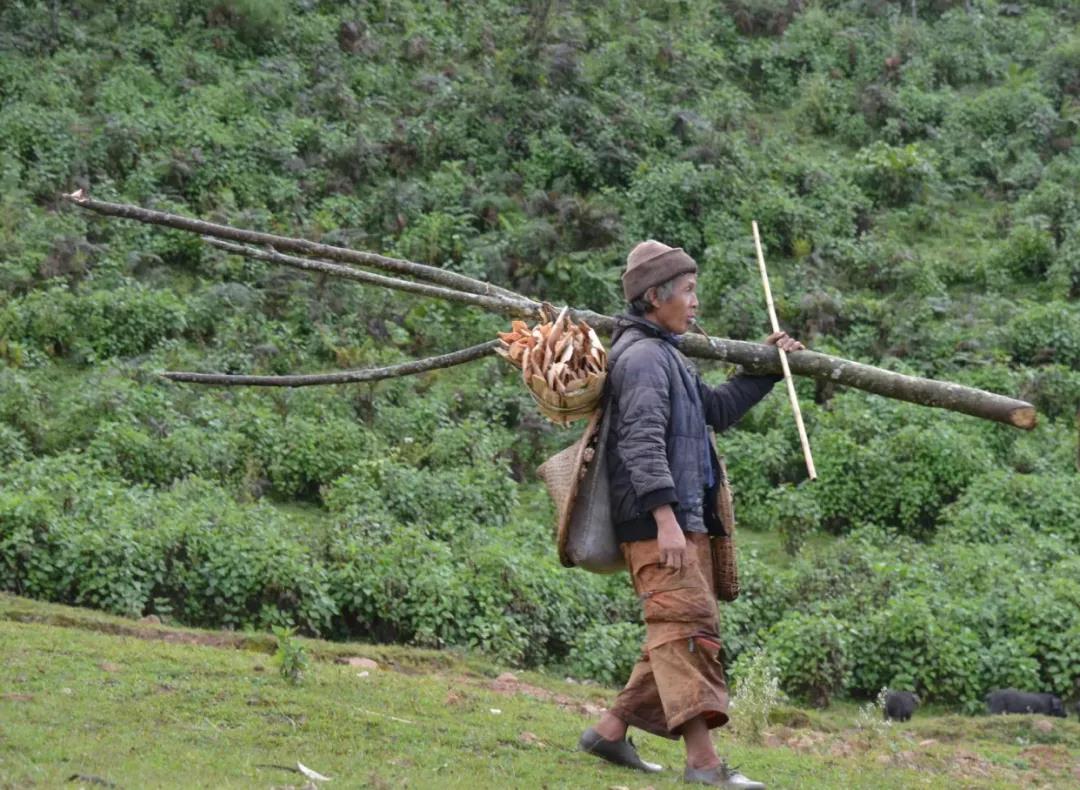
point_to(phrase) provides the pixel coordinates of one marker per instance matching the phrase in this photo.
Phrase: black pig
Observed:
(1013, 701)
(899, 705)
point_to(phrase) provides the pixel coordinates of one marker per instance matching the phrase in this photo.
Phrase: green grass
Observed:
(769, 546)
(149, 706)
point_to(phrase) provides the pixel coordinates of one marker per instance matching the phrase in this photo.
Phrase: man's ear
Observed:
(651, 298)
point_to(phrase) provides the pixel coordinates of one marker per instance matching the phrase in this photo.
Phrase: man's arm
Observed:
(727, 403)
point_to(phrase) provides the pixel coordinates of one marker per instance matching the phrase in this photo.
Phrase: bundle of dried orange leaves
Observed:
(562, 363)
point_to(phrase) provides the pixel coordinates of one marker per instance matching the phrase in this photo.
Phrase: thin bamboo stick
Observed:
(783, 358)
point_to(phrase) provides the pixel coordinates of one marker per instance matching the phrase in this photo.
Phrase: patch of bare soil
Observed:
(1047, 758)
(149, 629)
(968, 765)
(508, 683)
(149, 632)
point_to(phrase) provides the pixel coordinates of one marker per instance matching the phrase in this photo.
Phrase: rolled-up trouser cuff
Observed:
(673, 685)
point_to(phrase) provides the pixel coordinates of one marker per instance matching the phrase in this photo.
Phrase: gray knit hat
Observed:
(651, 263)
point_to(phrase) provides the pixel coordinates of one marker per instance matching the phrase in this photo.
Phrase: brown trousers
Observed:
(680, 675)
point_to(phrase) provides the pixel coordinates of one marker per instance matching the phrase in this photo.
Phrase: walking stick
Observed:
(783, 358)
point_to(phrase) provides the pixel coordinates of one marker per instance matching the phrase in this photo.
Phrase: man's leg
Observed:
(611, 727)
(700, 752)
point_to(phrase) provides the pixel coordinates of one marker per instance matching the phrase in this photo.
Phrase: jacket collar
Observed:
(626, 321)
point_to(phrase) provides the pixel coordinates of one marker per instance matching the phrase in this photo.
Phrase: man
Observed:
(663, 477)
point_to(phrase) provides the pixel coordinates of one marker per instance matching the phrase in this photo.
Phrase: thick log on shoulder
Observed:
(913, 389)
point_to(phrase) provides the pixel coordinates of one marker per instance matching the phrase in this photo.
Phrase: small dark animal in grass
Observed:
(1013, 701)
(899, 705)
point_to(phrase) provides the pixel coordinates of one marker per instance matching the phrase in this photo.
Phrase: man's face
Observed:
(679, 310)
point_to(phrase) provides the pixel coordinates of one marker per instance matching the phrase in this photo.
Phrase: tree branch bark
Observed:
(289, 244)
(342, 377)
(755, 357)
(518, 308)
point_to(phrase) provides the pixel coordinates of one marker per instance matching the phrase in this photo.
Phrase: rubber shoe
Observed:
(619, 752)
(720, 776)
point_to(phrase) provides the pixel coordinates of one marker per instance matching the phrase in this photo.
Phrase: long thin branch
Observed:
(302, 246)
(518, 308)
(342, 377)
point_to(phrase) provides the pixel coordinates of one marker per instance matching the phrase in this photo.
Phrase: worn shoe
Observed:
(618, 752)
(721, 776)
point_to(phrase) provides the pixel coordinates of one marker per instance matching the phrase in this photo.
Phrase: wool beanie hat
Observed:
(651, 263)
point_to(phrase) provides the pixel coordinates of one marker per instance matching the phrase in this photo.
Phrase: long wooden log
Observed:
(754, 357)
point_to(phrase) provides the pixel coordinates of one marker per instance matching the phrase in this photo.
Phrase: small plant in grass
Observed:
(291, 657)
(757, 692)
(872, 724)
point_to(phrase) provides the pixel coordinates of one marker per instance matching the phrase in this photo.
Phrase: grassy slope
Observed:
(148, 706)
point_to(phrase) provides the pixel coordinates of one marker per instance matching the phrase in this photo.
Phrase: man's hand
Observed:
(784, 341)
(669, 538)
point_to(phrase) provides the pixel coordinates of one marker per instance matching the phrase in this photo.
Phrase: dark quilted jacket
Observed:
(658, 441)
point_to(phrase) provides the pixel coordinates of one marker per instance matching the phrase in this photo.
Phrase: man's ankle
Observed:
(611, 728)
(704, 763)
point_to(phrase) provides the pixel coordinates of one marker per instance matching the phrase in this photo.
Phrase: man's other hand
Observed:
(784, 341)
(670, 540)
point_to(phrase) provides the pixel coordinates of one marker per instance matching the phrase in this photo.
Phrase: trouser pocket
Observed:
(677, 602)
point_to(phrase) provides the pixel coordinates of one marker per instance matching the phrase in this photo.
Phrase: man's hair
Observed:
(664, 290)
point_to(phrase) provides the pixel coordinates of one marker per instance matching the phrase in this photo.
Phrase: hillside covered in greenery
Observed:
(917, 181)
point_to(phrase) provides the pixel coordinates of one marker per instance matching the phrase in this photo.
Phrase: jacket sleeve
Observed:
(643, 384)
(727, 403)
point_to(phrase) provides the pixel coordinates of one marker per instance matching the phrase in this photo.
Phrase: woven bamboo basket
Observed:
(725, 566)
(563, 365)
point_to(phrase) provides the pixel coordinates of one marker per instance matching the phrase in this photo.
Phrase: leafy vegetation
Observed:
(915, 178)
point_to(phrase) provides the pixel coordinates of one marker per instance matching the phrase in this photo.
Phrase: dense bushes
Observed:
(938, 622)
(94, 326)
(193, 554)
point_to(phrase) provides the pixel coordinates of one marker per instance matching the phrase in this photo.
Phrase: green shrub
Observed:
(97, 325)
(257, 23)
(394, 583)
(440, 500)
(899, 478)
(672, 200)
(13, 445)
(1028, 253)
(894, 176)
(28, 545)
(1045, 333)
(606, 652)
(291, 657)
(824, 102)
(1065, 271)
(1059, 66)
(1002, 505)
(991, 130)
(812, 655)
(795, 514)
(922, 644)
